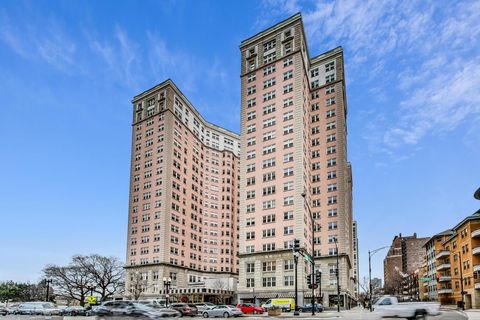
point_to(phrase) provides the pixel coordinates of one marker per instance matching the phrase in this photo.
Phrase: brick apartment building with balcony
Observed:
(457, 261)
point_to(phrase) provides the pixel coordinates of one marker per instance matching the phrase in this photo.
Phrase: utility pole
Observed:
(47, 282)
(296, 249)
(338, 278)
(370, 254)
(304, 195)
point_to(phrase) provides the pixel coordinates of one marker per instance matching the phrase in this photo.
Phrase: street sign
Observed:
(307, 257)
(426, 279)
(92, 300)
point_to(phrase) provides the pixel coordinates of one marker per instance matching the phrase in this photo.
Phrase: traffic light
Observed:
(309, 281)
(296, 245)
(318, 276)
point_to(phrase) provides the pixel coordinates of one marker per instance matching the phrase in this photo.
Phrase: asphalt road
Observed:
(356, 314)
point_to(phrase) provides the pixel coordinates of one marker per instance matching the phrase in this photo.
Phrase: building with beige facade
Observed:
(457, 262)
(183, 207)
(293, 139)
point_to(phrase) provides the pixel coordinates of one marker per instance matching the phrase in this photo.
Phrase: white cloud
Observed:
(433, 46)
(48, 43)
(122, 57)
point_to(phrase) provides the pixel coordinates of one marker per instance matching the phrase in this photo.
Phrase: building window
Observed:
(269, 70)
(288, 201)
(268, 281)
(330, 66)
(269, 266)
(288, 281)
(288, 62)
(288, 230)
(288, 215)
(250, 282)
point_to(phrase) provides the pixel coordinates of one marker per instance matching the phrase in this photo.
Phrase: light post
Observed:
(338, 278)
(370, 254)
(91, 287)
(167, 282)
(304, 195)
(461, 281)
(47, 282)
(295, 260)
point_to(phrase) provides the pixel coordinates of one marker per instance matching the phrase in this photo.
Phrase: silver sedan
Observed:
(223, 310)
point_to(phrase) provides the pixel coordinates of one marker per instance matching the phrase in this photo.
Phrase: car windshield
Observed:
(141, 306)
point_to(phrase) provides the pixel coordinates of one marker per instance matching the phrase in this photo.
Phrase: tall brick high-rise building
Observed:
(182, 221)
(404, 257)
(294, 141)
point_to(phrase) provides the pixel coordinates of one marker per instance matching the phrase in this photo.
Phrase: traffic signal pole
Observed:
(295, 259)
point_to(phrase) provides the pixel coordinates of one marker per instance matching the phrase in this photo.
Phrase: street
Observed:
(354, 314)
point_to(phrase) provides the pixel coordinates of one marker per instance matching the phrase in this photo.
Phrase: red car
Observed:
(250, 308)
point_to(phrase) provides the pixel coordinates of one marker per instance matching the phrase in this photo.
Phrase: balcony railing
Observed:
(475, 233)
(445, 279)
(443, 266)
(476, 250)
(442, 254)
(445, 291)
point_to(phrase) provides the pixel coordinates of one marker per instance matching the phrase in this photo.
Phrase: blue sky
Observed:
(69, 69)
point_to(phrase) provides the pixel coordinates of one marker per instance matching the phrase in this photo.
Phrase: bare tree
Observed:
(137, 285)
(70, 282)
(106, 273)
(223, 287)
(73, 282)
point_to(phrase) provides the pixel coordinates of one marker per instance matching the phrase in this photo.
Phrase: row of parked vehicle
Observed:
(44, 309)
(151, 309)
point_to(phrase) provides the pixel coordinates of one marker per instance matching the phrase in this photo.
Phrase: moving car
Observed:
(127, 308)
(284, 304)
(389, 307)
(250, 308)
(38, 308)
(223, 310)
(186, 309)
(308, 308)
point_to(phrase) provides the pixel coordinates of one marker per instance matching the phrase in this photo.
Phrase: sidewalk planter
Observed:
(274, 311)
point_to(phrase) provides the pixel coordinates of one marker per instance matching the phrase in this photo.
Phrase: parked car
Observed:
(202, 306)
(3, 311)
(250, 308)
(223, 310)
(186, 309)
(76, 311)
(126, 308)
(389, 307)
(38, 308)
(308, 308)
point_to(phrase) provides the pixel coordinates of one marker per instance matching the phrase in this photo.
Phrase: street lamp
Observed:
(304, 195)
(338, 278)
(91, 287)
(48, 281)
(370, 254)
(167, 282)
(295, 260)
